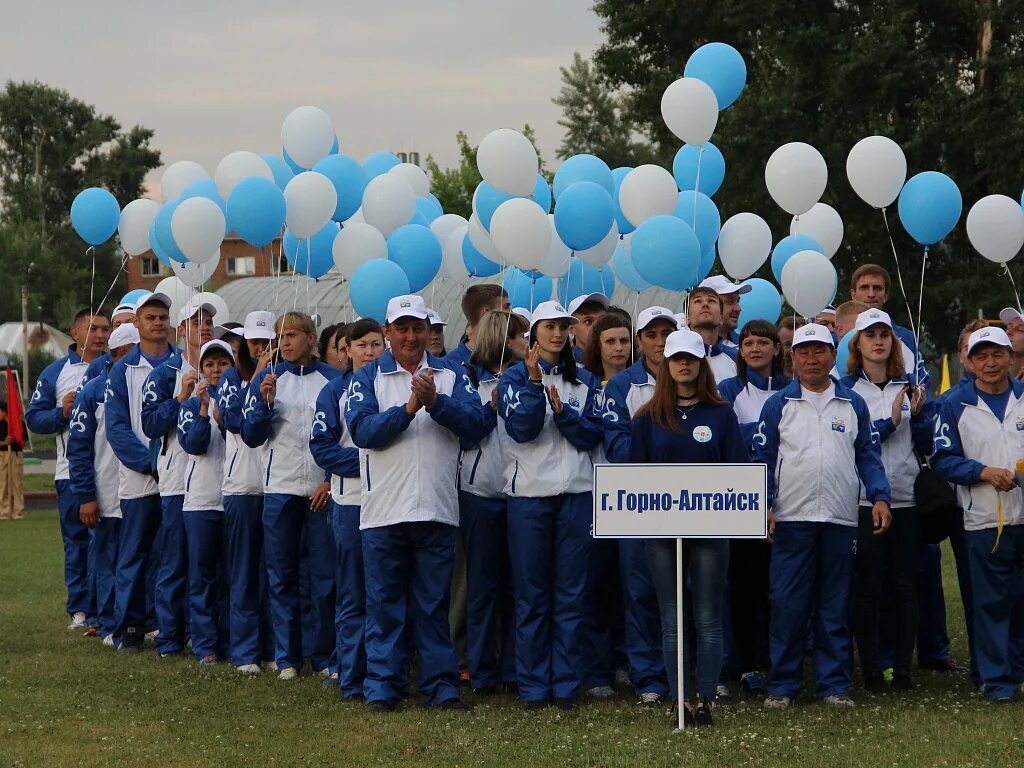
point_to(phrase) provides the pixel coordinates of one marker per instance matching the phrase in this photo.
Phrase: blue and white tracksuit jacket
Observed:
(623, 395)
(202, 440)
(93, 465)
(242, 464)
(482, 465)
(331, 444)
(749, 398)
(160, 409)
(44, 414)
(722, 359)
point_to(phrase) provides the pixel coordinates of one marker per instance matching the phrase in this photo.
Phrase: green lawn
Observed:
(68, 701)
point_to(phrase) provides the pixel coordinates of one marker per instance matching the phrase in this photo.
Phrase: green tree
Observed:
(943, 78)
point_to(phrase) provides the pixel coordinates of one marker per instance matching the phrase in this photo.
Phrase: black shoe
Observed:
(354, 697)
(566, 705)
(454, 705)
(380, 707)
(875, 684)
(944, 665)
(687, 715)
(169, 654)
(485, 690)
(129, 648)
(702, 715)
(512, 689)
(902, 682)
(535, 704)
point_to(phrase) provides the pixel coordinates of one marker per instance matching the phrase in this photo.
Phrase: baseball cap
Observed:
(407, 306)
(987, 336)
(259, 324)
(123, 336)
(153, 298)
(579, 301)
(220, 331)
(524, 313)
(649, 315)
(433, 318)
(192, 307)
(122, 308)
(685, 342)
(872, 317)
(551, 310)
(216, 344)
(722, 285)
(829, 310)
(1009, 314)
(812, 332)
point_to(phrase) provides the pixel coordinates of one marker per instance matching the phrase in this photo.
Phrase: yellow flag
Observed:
(945, 384)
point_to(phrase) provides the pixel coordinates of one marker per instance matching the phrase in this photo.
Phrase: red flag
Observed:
(15, 414)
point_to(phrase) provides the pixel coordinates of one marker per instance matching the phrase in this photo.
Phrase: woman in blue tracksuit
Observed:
(279, 407)
(483, 515)
(201, 436)
(333, 450)
(547, 405)
(885, 567)
(687, 422)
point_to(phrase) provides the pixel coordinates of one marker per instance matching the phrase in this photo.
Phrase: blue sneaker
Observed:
(752, 684)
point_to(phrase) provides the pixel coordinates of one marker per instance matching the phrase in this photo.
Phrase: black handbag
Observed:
(937, 509)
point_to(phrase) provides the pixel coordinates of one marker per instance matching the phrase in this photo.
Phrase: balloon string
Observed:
(91, 250)
(113, 282)
(1009, 274)
(920, 301)
(632, 328)
(899, 277)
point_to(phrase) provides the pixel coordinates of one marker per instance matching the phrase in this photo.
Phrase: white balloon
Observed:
(178, 292)
(556, 263)
(443, 226)
(223, 315)
(310, 200)
(178, 176)
(995, 227)
(744, 244)
(452, 264)
(601, 253)
(355, 218)
(133, 228)
(482, 241)
(388, 203)
(796, 176)
(877, 170)
(356, 244)
(416, 177)
(824, 224)
(690, 110)
(809, 282)
(237, 166)
(521, 233)
(194, 275)
(307, 135)
(508, 162)
(648, 190)
(198, 228)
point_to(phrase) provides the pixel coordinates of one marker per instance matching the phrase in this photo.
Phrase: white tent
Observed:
(40, 335)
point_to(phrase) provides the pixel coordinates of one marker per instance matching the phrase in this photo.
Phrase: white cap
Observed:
(192, 307)
(433, 318)
(1008, 315)
(259, 324)
(315, 317)
(649, 315)
(806, 334)
(579, 301)
(220, 331)
(122, 308)
(123, 336)
(987, 336)
(682, 321)
(829, 310)
(148, 298)
(722, 285)
(551, 310)
(872, 317)
(216, 344)
(685, 342)
(524, 313)
(407, 306)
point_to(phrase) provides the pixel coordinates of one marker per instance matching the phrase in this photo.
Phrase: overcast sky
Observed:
(211, 78)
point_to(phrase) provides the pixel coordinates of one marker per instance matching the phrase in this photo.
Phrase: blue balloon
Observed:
(477, 265)
(582, 280)
(762, 303)
(334, 146)
(164, 235)
(312, 256)
(132, 296)
(625, 225)
(429, 207)
(712, 168)
(283, 172)
(416, 250)
(157, 247)
(708, 221)
(583, 168)
(584, 215)
(542, 194)
(843, 351)
(526, 289)
(486, 200)
(707, 263)
(374, 284)
(930, 206)
(380, 162)
(666, 252)
(349, 180)
(295, 168)
(95, 215)
(207, 188)
(622, 263)
(720, 66)
(785, 249)
(256, 211)
(419, 218)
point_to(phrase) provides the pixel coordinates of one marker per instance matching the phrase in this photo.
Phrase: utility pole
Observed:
(24, 342)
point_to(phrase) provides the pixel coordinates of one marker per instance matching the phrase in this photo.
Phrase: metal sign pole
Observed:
(680, 676)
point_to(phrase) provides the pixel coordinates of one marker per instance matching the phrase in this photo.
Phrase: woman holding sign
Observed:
(686, 422)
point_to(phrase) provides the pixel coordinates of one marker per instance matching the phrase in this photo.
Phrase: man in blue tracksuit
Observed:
(137, 479)
(49, 413)
(407, 411)
(979, 442)
(168, 387)
(817, 438)
(476, 302)
(623, 396)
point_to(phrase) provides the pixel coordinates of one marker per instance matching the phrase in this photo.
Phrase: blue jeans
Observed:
(705, 565)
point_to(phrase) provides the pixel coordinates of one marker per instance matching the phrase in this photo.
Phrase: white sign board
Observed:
(694, 501)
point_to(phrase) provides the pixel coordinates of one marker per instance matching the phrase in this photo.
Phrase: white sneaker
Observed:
(778, 702)
(325, 672)
(269, 666)
(109, 640)
(600, 692)
(77, 621)
(151, 636)
(249, 669)
(288, 673)
(839, 701)
(723, 694)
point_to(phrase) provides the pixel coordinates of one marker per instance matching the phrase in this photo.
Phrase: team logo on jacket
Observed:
(574, 401)
(702, 434)
(838, 425)
(1020, 425)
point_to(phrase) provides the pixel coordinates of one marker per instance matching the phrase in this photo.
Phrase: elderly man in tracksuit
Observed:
(622, 397)
(979, 440)
(407, 411)
(817, 438)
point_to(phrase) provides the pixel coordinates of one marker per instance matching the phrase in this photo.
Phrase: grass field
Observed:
(68, 701)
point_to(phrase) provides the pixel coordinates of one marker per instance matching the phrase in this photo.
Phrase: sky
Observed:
(214, 77)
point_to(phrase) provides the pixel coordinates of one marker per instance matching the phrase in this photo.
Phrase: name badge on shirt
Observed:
(838, 425)
(702, 434)
(1020, 425)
